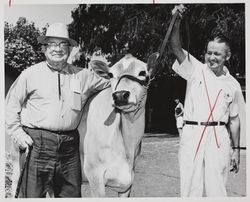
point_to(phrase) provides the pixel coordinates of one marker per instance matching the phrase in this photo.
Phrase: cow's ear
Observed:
(100, 68)
(151, 63)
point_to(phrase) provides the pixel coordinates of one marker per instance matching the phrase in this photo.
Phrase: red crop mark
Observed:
(9, 2)
(215, 135)
(210, 116)
(204, 129)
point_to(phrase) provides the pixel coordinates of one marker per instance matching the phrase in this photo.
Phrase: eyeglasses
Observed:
(53, 45)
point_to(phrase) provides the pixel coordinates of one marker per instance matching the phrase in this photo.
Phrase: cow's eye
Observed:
(142, 73)
(110, 75)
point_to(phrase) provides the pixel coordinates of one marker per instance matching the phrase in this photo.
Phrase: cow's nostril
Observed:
(115, 97)
(125, 95)
(121, 97)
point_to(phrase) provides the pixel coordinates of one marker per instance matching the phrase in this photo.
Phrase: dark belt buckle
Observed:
(213, 123)
(208, 123)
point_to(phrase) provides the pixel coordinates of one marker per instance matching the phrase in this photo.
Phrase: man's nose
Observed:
(57, 48)
(212, 57)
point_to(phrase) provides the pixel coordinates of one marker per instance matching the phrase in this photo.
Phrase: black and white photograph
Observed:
(138, 99)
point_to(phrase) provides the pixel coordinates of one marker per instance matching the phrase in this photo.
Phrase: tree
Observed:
(140, 30)
(21, 46)
(117, 29)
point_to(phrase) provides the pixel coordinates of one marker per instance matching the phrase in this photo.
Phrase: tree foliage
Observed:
(140, 29)
(21, 46)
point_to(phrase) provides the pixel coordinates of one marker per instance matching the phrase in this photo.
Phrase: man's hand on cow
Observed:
(235, 161)
(23, 141)
(180, 9)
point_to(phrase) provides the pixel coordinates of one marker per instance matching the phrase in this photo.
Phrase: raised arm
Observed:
(175, 40)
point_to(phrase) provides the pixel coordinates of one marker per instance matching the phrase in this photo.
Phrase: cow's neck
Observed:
(139, 109)
(132, 132)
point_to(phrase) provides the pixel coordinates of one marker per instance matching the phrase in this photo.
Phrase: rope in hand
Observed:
(164, 43)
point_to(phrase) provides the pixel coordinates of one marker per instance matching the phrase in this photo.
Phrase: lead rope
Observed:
(166, 38)
(188, 35)
(204, 129)
(163, 45)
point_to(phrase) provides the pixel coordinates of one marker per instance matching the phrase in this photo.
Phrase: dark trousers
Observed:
(54, 163)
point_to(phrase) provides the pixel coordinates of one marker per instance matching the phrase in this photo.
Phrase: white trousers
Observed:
(179, 122)
(209, 166)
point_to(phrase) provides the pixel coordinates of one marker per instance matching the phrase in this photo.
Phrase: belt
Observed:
(56, 132)
(213, 123)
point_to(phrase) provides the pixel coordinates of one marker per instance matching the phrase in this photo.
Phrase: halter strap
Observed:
(141, 82)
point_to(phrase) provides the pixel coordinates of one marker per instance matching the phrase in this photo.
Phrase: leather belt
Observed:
(51, 131)
(213, 123)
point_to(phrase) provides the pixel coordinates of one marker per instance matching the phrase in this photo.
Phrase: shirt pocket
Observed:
(226, 100)
(227, 97)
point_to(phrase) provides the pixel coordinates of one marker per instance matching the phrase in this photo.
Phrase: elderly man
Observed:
(43, 110)
(212, 103)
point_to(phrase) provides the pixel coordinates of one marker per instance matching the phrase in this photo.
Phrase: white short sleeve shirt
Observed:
(208, 97)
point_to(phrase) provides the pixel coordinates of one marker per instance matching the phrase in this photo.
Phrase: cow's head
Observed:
(129, 81)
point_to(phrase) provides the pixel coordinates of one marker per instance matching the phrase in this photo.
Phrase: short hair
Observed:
(220, 38)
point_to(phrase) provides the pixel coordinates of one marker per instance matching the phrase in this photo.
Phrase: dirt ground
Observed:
(157, 172)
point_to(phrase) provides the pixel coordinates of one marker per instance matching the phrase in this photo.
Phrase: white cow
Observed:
(113, 126)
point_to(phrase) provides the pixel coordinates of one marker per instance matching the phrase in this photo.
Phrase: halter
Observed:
(143, 83)
(133, 78)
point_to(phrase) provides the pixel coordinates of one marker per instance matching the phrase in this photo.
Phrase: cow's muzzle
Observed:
(121, 97)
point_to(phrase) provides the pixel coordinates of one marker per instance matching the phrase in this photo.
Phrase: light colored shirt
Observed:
(35, 100)
(179, 106)
(225, 87)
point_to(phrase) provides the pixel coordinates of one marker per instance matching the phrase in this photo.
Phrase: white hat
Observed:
(58, 30)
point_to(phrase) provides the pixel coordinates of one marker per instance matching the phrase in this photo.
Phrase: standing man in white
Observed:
(211, 115)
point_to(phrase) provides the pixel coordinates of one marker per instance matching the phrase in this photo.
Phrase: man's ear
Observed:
(43, 48)
(228, 55)
(70, 49)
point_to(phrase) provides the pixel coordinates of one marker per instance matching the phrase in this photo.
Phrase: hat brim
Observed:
(43, 40)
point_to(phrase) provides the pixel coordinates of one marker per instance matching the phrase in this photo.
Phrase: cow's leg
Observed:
(97, 188)
(126, 193)
(97, 185)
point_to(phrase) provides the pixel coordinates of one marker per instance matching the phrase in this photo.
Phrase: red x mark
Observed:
(210, 116)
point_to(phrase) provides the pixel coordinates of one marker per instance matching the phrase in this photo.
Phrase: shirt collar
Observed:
(65, 70)
(225, 69)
